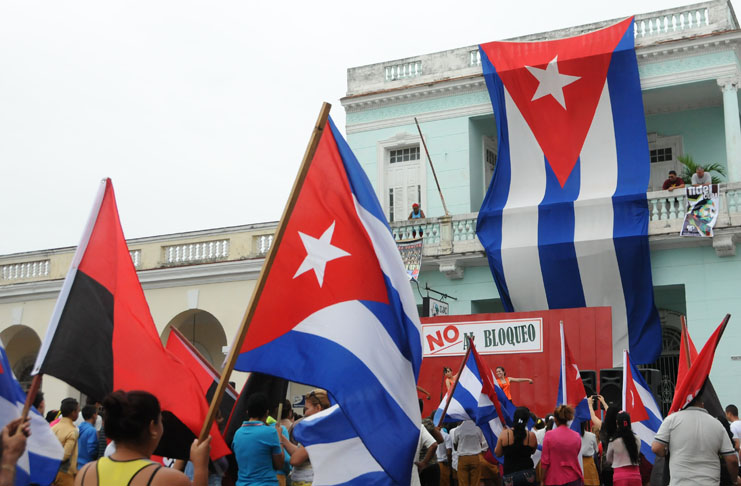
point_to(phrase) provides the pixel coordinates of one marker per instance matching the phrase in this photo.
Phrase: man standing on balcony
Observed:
(673, 182)
(701, 178)
(416, 213)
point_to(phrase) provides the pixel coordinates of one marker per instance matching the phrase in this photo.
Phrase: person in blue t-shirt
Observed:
(87, 442)
(257, 447)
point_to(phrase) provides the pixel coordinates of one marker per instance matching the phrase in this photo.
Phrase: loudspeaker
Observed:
(653, 380)
(589, 378)
(611, 386)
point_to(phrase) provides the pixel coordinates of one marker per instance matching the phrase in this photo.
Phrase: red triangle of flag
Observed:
(556, 85)
(633, 402)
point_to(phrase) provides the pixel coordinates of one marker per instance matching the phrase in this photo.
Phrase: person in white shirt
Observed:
(444, 456)
(732, 416)
(469, 441)
(701, 178)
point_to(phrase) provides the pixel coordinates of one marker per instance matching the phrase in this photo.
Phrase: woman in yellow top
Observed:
(133, 420)
(503, 381)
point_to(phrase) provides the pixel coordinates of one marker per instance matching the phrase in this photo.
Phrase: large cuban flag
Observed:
(337, 455)
(43, 455)
(640, 403)
(565, 220)
(337, 310)
(475, 397)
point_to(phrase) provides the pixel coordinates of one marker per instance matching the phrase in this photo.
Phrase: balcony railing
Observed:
(24, 270)
(457, 234)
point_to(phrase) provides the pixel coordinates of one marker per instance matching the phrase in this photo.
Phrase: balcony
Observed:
(452, 243)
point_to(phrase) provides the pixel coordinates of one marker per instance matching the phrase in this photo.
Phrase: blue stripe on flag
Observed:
(558, 262)
(490, 215)
(325, 361)
(629, 203)
(337, 455)
(41, 459)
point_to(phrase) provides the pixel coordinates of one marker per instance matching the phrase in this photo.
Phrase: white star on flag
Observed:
(551, 82)
(318, 253)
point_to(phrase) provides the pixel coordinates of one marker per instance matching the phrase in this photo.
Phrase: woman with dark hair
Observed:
(517, 445)
(503, 381)
(561, 446)
(623, 452)
(134, 421)
(606, 434)
(589, 448)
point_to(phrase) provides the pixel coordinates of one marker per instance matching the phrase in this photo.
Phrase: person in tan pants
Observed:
(469, 442)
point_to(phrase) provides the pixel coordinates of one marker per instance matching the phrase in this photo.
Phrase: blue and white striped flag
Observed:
(338, 456)
(640, 403)
(40, 461)
(476, 398)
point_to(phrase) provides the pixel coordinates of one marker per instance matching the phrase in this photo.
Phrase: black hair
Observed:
(257, 405)
(503, 370)
(51, 415)
(625, 432)
(673, 172)
(68, 406)
(421, 405)
(88, 411)
(549, 421)
(732, 409)
(38, 399)
(584, 427)
(127, 415)
(520, 419)
(609, 424)
(287, 410)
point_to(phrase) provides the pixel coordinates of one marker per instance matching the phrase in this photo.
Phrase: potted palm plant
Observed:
(690, 167)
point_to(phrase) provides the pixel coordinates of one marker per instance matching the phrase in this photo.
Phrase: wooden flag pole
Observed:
(424, 144)
(686, 333)
(30, 397)
(262, 278)
(455, 382)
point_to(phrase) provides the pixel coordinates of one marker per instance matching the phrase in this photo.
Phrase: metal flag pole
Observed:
(434, 174)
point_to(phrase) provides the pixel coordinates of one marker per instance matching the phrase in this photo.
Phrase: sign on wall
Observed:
(411, 255)
(701, 211)
(491, 337)
(433, 307)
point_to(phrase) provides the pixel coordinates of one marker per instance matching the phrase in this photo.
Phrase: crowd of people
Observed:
(116, 447)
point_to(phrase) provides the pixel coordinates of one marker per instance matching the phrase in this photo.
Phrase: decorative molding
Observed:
(451, 269)
(464, 111)
(723, 245)
(729, 83)
(209, 273)
(686, 77)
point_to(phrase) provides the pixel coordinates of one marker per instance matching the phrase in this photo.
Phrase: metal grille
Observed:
(668, 363)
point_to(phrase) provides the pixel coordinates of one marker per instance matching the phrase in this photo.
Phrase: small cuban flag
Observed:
(40, 461)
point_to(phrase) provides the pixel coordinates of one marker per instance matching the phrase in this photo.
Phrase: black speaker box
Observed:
(611, 386)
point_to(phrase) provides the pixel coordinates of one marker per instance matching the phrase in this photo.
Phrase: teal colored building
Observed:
(689, 67)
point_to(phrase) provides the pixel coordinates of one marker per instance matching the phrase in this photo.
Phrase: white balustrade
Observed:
(24, 270)
(136, 257)
(263, 243)
(403, 70)
(204, 251)
(671, 22)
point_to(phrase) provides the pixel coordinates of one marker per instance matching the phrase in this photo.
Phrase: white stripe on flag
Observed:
(468, 381)
(593, 224)
(356, 461)
(391, 264)
(520, 254)
(384, 360)
(648, 400)
(644, 433)
(456, 410)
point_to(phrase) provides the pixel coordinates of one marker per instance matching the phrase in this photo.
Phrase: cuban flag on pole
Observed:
(640, 403)
(43, 455)
(337, 311)
(337, 454)
(475, 398)
(565, 220)
(570, 387)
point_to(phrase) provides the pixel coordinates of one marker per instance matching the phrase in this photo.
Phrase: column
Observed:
(732, 123)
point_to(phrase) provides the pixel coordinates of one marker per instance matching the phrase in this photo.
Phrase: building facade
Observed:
(689, 68)
(200, 282)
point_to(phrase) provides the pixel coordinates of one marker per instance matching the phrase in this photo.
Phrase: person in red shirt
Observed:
(673, 182)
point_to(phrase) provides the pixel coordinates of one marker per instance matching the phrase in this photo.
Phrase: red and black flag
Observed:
(208, 377)
(101, 336)
(696, 380)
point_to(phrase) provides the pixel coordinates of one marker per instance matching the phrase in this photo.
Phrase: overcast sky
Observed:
(200, 111)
